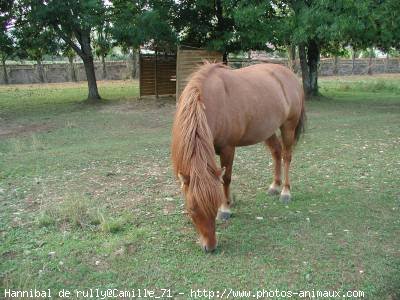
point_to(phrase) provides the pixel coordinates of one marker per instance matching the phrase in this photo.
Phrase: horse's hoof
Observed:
(285, 198)
(224, 215)
(273, 192)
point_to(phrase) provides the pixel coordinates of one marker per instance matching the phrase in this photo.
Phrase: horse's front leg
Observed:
(226, 156)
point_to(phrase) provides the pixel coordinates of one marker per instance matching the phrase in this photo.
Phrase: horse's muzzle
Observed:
(208, 249)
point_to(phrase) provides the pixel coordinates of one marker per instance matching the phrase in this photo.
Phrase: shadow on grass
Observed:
(319, 98)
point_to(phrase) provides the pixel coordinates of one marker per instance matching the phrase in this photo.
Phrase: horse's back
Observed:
(246, 106)
(273, 77)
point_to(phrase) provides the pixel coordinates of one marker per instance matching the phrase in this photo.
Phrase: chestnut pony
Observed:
(221, 109)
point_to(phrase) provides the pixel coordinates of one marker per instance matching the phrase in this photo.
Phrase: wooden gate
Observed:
(157, 74)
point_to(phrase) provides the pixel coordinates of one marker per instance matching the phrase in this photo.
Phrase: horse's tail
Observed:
(193, 153)
(300, 128)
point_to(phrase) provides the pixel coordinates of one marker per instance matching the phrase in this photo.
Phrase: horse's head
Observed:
(202, 203)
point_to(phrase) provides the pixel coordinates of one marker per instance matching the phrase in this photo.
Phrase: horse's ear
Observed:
(220, 174)
(184, 179)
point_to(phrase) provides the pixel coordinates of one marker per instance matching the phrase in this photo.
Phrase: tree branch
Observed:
(69, 41)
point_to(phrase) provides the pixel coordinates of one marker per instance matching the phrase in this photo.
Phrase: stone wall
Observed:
(61, 72)
(361, 66)
(120, 70)
(344, 66)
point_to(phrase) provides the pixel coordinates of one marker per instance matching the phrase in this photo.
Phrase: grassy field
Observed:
(88, 199)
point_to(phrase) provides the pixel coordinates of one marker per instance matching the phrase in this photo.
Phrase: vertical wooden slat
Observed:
(156, 72)
(188, 60)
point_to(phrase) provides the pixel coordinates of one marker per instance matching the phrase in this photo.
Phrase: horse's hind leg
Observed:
(288, 141)
(275, 147)
(226, 156)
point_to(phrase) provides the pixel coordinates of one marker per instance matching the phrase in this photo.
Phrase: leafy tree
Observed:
(137, 23)
(229, 26)
(254, 24)
(73, 21)
(6, 41)
(70, 54)
(300, 22)
(209, 24)
(156, 24)
(374, 23)
(126, 31)
(315, 27)
(393, 52)
(193, 20)
(323, 25)
(33, 42)
(147, 22)
(103, 43)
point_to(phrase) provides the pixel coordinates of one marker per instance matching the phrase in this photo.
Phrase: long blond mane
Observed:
(192, 149)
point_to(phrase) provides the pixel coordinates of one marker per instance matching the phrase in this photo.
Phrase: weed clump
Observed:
(74, 211)
(80, 212)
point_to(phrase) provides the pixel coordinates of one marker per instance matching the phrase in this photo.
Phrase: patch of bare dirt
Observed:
(163, 104)
(13, 131)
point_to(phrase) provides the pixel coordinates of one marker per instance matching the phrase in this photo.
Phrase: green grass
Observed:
(88, 199)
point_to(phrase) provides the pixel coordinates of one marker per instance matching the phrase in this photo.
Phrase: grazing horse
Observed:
(221, 109)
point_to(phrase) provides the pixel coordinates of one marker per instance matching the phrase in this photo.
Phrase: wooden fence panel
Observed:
(157, 74)
(188, 61)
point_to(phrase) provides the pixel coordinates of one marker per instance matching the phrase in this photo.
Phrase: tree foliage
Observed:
(228, 26)
(33, 41)
(147, 22)
(6, 40)
(102, 40)
(329, 26)
(73, 21)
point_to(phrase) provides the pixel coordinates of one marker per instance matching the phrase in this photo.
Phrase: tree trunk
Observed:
(72, 69)
(313, 53)
(335, 65)
(6, 81)
(103, 63)
(220, 27)
(91, 79)
(305, 72)
(309, 61)
(353, 58)
(292, 57)
(87, 58)
(134, 62)
(156, 74)
(370, 63)
(225, 58)
(39, 67)
(387, 63)
(85, 52)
